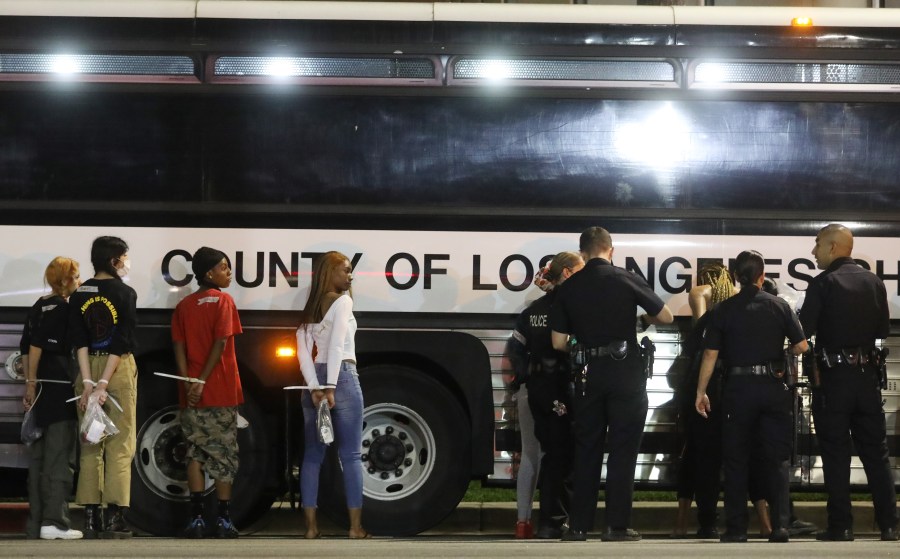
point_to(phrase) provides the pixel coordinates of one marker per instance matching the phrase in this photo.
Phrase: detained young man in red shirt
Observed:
(203, 330)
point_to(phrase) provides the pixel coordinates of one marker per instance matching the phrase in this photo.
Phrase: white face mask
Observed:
(126, 267)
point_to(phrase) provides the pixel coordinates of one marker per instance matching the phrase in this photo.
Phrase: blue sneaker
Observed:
(195, 529)
(225, 528)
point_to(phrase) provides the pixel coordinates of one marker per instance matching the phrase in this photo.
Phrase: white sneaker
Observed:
(242, 423)
(53, 533)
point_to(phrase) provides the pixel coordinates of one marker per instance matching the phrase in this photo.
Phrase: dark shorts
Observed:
(211, 435)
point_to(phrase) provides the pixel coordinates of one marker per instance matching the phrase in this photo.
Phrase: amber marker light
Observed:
(802, 22)
(284, 351)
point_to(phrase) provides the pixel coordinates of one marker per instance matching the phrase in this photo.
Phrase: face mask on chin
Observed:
(125, 269)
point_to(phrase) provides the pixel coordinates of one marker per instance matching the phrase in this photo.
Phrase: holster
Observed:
(648, 348)
(786, 370)
(878, 359)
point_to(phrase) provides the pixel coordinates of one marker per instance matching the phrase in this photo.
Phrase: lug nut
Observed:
(409, 448)
(385, 475)
(388, 430)
(366, 443)
(376, 433)
(370, 469)
(402, 436)
(407, 462)
(364, 457)
(398, 472)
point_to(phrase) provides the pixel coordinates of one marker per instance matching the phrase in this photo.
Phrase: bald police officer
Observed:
(846, 309)
(598, 306)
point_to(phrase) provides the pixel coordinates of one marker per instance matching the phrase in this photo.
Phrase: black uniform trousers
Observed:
(610, 412)
(848, 404)
(554, 432)
(756, 418)
(700, 468)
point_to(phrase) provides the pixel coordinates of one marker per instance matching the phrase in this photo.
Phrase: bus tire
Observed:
(415, 427)
(159, 493)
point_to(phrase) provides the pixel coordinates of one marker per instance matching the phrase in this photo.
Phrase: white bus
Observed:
(449, 149)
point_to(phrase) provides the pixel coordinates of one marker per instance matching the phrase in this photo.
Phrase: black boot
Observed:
(93, 521)
(116, 528)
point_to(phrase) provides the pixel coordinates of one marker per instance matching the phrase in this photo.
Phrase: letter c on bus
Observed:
(166, 271)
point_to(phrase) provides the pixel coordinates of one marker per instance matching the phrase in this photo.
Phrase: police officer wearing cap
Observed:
(846, 309)
(749, 329)
(598, 306)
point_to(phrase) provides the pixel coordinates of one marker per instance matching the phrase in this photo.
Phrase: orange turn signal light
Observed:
(285, 351)
(802, 22)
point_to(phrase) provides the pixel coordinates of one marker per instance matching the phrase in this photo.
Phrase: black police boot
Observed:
(116, 528)
(93, 521)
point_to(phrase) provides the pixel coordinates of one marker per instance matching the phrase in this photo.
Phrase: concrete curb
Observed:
(649, 518)
(652, 519)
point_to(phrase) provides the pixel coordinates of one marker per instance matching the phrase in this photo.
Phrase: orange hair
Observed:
(59, 272)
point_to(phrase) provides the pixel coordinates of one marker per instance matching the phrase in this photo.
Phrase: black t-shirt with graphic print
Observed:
(102, 316)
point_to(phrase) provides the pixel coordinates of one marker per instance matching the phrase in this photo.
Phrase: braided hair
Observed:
(717, 277)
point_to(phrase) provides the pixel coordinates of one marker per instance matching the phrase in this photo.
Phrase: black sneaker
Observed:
(195, 529)
(225, 528)
(708, 533)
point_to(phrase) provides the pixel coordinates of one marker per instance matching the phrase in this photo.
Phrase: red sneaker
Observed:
(524, 530)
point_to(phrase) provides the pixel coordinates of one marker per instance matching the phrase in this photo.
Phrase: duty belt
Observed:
(543, 366)
(748, 370)
(846, 356)
(617, 350)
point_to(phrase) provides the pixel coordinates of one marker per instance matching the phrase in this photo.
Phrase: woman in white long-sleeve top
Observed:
(328, 329)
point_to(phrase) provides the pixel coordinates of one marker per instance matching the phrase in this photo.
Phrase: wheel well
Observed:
(421, 363)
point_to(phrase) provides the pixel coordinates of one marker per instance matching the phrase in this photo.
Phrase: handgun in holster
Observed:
(648, 348)
(789, 371)
(878, 358)
(811, 366)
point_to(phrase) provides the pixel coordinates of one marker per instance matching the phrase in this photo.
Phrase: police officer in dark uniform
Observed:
(598, 306)
(846, 308)
(545, 372)
(749, 329)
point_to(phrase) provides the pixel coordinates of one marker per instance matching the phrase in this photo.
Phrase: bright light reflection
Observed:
(710, 72)
(64, 64)
(495, 70)
(659, 141)
(279, 67)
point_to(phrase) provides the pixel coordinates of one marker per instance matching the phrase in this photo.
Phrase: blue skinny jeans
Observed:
(346, 417)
